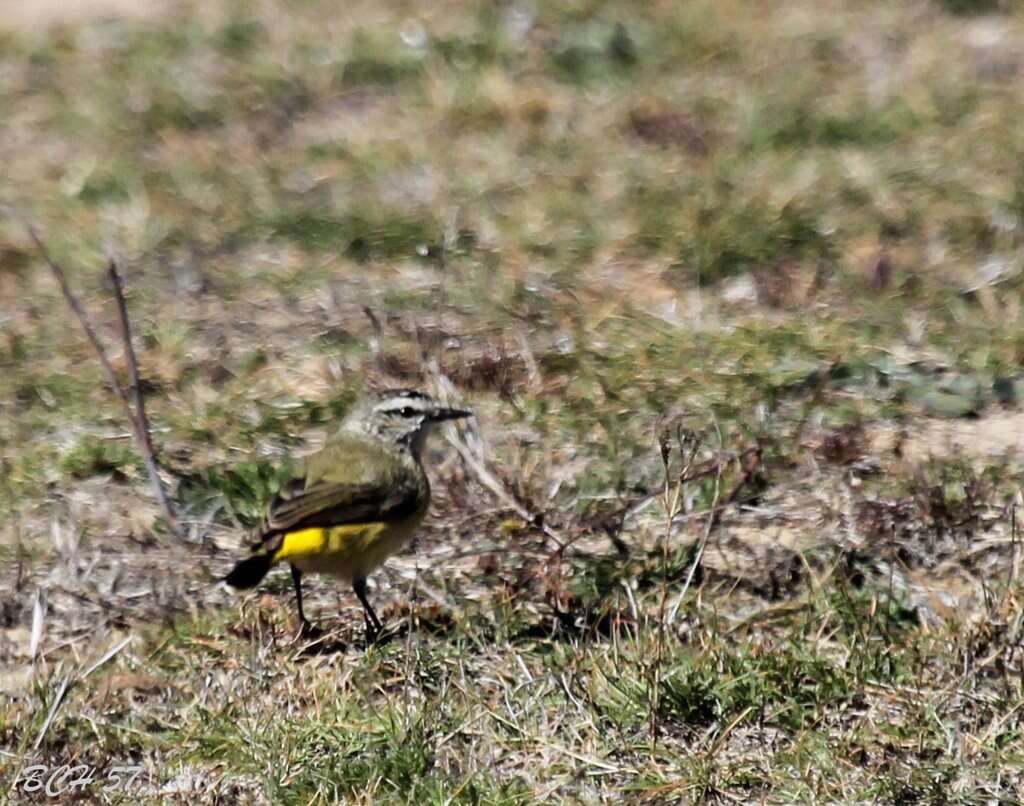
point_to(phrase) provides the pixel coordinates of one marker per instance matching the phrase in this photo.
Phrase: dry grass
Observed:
(794, 235)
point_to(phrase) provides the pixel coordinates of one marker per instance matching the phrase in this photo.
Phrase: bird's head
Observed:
(400, 416)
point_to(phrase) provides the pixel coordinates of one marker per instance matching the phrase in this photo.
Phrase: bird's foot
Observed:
(383, 634)
(373, 635)
(308, 631)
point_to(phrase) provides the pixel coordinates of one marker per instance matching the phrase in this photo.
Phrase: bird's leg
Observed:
(305, 628)
(373, 624)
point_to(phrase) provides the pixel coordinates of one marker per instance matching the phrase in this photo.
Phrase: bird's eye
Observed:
(407, 411)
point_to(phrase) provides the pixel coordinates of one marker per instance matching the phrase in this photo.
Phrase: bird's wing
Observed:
(347, 482)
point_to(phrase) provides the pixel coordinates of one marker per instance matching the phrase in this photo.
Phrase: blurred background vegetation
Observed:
(792, 228)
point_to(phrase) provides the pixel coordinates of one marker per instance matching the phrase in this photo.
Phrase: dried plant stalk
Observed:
(137, 415)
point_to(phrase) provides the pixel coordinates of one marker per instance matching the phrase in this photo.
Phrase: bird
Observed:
(356, 501)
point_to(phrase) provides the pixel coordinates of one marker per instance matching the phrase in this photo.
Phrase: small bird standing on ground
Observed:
(358, 502)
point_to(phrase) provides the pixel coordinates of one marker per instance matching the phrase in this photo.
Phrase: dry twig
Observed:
(58, 698)
(137, 416)
(141, 421)
(709, 526)
(492, 483)
(476, 462)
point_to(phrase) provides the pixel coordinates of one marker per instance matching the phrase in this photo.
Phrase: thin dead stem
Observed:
(713, 517)
(137, 415)
(141, 421)
(688, 445)
(492, 483)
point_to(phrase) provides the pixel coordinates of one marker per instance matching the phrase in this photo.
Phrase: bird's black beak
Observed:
(450, 414)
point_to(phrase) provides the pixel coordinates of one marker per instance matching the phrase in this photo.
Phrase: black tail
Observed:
(249, 572)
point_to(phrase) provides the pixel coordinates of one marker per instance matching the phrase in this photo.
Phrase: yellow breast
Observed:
(351, 551)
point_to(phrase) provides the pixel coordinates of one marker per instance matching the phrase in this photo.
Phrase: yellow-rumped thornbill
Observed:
(357, 501)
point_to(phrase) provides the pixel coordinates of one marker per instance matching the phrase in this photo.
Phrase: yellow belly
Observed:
(348, 552)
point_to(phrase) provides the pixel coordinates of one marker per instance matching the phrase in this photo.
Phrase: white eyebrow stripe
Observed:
(397, 404)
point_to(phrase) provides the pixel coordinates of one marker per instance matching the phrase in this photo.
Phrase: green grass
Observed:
(794, 237)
